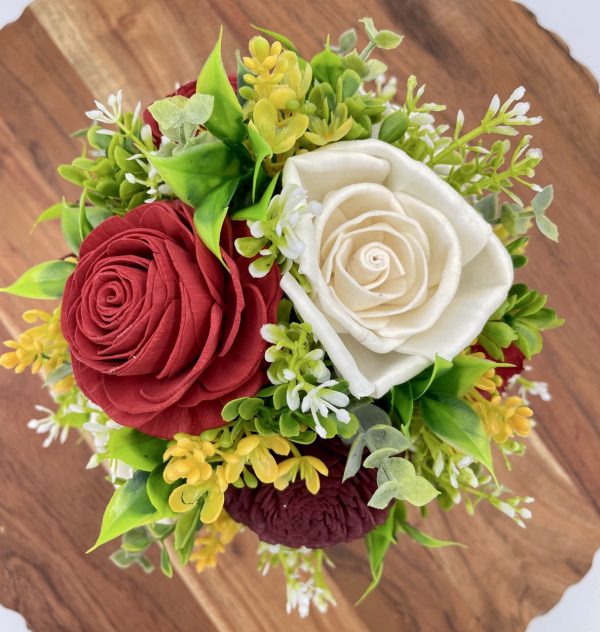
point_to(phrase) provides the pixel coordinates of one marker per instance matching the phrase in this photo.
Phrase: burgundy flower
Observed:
(512, 355)
(161, 334)
(294, 517)
(186, 90)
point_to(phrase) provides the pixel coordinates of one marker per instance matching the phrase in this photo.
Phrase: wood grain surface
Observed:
(59, 54)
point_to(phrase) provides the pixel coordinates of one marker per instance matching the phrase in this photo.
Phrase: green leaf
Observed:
(44, 281)
(128, 508)
(261, 150)
(424, 539)
(387, 40)
(259, 210)
(463, 375)
(377, 543)
(226, 118)
(198, 108)
(69, 224)
(512, 218)
(421, 383)
(384, 436)
(393, 127)
(136, 449)
(185, 530)
(354, 458)
(194, 173)
(542, 200)
(327, 66)
(384, 494)
(370, 415)
(378, 457)
(403, 402)
(488, 207)
(52, 212)
(165, 562)
(408, 486)
(456, 423)
(211, 213)
(159, 491)
(529, 340)
(500, 333)
(547, 227)
(287, 43)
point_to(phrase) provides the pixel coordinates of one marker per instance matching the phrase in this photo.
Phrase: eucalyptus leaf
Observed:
(354, 458)
(43, 281)
(542, 200)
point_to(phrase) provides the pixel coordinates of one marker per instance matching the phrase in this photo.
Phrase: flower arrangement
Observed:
(288, 305)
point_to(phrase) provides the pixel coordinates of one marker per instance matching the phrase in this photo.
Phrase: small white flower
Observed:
(50, 426)
(494, 105)
(321, 400)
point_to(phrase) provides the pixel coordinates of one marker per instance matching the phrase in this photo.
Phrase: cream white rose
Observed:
(402, 268)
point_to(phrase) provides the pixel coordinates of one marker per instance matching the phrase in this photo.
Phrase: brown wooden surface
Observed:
(59, 54)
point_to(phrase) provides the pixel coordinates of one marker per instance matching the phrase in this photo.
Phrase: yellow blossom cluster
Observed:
(275, 93)
(42, 347)
(212, 541)
(209, 466)
(504, 417)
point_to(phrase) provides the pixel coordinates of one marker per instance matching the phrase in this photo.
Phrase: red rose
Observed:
(186, 90)
(294, 517)
(161, 334)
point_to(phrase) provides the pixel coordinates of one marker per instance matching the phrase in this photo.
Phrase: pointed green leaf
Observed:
(128, 508)
(136, 449)
(52, 212)
(426, 540)
(421, 383)
(287, 43)
(456, 423)
(547, 227)
(194, 173)
(45, 280)
(261, 150)
(463, 375)
(211, 213)
(226, 118)
(259, 210)
(69, 225)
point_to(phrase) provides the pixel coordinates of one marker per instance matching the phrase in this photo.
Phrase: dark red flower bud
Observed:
(294, 517)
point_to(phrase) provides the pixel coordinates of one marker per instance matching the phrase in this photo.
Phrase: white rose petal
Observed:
(402, 268)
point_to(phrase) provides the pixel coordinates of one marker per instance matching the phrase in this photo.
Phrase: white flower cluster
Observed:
(305, 580)
(49, 425)
(294, 363)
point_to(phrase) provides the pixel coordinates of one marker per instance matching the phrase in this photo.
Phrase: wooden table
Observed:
(59, 54)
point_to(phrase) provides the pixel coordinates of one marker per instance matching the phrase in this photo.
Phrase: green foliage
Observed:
(185, 532)
(43, 281)
(455, 422)
(204, 176)
(136, 543)
(225, 121)
(516, 219)
(179, 117)
(136, 449)
(520, 319)
(128, 508)
(464, 374)
(380, 539)
(287, 43)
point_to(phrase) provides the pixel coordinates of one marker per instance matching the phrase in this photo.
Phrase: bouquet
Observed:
(288, 305)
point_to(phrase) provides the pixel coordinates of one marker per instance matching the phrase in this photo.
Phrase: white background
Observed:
(577, 22)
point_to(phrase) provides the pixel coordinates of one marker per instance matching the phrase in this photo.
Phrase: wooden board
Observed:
(59, 54)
